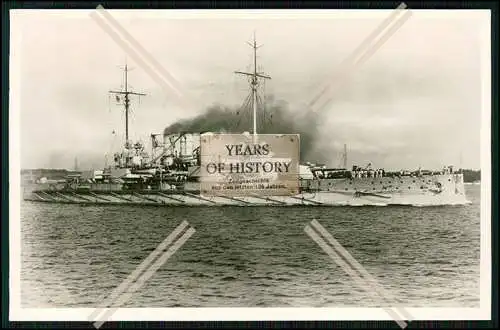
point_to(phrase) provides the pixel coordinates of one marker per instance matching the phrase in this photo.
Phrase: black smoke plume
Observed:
(274, 118)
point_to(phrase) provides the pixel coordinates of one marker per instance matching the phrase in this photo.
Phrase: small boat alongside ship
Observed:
(170, 176)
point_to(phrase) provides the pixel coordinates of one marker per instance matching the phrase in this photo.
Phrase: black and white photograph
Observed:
(173, 165)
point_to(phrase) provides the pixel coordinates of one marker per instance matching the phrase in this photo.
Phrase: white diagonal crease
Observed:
(370, 45)
(376, 46)
(141, 50)
(356, 265)
(359, 281)
(383, 39)
(146, 276)
(128, 49)
(343, 263)
(363, 46)
(166, 85)
(135, 274)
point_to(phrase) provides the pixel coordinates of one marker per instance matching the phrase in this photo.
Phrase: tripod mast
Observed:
(254, 81)
(126, 102)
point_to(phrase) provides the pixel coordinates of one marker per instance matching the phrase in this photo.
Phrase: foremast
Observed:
(125, 100)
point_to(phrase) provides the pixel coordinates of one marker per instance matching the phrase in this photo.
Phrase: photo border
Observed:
(489, 192)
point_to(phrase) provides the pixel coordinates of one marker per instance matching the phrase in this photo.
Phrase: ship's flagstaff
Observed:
(254, 82)
(126, 102)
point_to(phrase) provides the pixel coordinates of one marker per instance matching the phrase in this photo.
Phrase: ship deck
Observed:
(325, 192)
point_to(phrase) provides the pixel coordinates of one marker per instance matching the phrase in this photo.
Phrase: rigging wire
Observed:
(263, 100)
(265, 120)
(261, 118)
(264, 113)
(242, 112)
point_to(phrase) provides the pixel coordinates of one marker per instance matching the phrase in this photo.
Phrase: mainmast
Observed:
(254, 81)
(126, 103)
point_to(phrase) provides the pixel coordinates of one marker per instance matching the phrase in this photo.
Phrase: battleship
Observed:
(170, 175)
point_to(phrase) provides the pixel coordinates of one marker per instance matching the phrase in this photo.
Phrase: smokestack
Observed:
(275, 119)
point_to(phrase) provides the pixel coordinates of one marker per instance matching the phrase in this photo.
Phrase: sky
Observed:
(416, 102)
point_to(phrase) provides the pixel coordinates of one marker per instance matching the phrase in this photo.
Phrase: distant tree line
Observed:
(471, 175)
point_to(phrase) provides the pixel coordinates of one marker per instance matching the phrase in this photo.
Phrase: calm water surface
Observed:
(251, 257)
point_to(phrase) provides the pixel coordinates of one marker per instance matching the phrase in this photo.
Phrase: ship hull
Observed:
(445, 189)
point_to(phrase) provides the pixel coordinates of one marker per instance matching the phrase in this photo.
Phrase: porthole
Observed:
(409, 187)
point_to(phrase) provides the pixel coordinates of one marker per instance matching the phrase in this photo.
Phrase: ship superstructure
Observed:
(170, 174)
